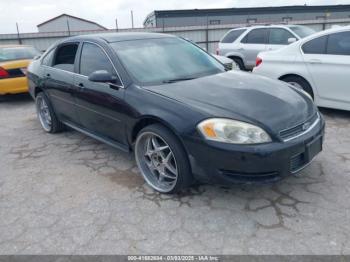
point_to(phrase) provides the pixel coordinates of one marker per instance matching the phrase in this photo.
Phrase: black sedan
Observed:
(177, 108)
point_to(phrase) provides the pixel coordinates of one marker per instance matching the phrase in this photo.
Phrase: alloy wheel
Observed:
(44, 114)
(156, 161)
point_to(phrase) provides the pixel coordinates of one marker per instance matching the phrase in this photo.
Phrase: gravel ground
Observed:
(69, 194)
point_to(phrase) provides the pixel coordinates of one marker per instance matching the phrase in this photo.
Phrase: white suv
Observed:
(243, 44)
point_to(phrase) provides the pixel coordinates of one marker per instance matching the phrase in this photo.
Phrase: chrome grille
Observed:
(292, 132)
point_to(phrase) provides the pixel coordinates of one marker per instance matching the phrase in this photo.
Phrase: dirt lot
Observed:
(68, 194)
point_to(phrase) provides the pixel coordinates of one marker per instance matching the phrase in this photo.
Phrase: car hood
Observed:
(242, 96)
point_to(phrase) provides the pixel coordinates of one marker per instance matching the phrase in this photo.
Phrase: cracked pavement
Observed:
(69, 194)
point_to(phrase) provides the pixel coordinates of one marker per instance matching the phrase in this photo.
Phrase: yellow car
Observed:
(14, 60)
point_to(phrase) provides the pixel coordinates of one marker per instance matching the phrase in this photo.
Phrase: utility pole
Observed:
(19, 39)
(68, 28)
(132, 19)
(207, 35)
(116, 24)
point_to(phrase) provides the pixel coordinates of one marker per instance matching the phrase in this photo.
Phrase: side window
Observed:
(279, 36)
(339, 44)
(232, 36)
(65, 57)
(93, 59)
(256, 36)
(315, 46)
(47, 60)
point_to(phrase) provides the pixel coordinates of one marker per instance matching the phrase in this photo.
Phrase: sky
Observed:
(29, 13)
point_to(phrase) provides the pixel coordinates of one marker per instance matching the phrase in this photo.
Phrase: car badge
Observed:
(306, 126)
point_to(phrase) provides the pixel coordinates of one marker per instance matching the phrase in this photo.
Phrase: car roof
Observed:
(267, 26)
(326, 32)
(118, 37)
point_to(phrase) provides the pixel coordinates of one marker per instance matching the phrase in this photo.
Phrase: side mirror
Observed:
(103, 76)
(292, 40)
(36, 57)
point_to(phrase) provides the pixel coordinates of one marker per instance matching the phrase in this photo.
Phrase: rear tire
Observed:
(162, 160)
(46, 115)
(299, 82)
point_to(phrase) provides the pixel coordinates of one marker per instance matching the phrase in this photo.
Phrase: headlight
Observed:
(232, 131)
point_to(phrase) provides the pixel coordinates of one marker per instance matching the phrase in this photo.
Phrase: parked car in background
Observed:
(185, 117)
(319, 65)
(14, 60)
(227, 62)
(243, 44)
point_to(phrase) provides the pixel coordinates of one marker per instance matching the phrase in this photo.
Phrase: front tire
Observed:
(239, 63)
(46, 115)
(162, 160)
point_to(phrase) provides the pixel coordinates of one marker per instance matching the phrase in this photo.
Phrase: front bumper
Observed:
(222, 163)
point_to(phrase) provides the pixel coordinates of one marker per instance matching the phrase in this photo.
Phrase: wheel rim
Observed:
(43, 113)
(156, 162)
(297, 85)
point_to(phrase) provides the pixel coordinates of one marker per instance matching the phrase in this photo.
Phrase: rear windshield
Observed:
(302, 31)
(17, 53)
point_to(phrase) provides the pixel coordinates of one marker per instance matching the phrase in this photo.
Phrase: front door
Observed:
(278, 38)
(100, 105)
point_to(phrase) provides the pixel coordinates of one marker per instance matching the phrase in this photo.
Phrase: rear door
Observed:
(254, 43)
(278, 38)
(59, 80)
(100, 105)
(228, 43)
(328, 61)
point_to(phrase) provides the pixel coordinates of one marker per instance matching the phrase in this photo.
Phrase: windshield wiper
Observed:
(177, 80)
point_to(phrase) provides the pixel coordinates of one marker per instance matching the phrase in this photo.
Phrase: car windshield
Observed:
(17, 53)
(164, 60)
(302, 31)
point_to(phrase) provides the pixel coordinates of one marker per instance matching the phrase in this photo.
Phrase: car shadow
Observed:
(328, 112)
(16, 98)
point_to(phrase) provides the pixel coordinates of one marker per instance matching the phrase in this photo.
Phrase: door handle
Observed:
(241, 49)
(80, 86)
(315, 61)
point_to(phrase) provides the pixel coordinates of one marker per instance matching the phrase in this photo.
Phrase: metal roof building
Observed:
(68, 23)
(251, 15)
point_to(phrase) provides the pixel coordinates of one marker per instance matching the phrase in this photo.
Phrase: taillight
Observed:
(3, 73)
(258, 61)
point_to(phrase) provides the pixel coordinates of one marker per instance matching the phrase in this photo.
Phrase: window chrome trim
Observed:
(58, 69)
(44, 55)
(74, 73)
(315, 123)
